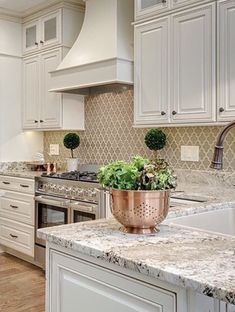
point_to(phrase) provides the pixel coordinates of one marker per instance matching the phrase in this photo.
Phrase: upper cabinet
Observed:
(151, 72)
(59, 27)
(149, 8)
(146, 8)
(226, 60)
(193, 65)
(175, 75)
(47, 39)
(185, 65)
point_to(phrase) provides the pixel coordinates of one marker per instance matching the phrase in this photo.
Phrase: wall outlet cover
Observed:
(54, 149)
(190, 153)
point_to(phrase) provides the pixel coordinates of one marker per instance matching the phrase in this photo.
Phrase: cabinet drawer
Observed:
(17, 207)
(17, 184)
(17, 236)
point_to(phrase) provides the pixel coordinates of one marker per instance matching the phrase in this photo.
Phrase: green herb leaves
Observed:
(140, 174)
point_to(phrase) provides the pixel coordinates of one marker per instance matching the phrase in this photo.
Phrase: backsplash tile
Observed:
(109, 136)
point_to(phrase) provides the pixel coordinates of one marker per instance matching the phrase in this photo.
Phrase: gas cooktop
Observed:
(85, 176)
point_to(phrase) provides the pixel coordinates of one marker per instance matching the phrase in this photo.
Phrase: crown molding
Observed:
(19, 17)
(10, 15)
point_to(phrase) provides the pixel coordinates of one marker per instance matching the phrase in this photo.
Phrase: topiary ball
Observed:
(71, 141)
(155, 139)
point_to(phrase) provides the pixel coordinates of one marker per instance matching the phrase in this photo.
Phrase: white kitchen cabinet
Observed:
(31, 36)
(193, 65)
(175, 69)
(44, 110)
(147, 8)
(17, 215)
(52, 28)
(43, 32)
(151, 72)
(75, 283)
(226, 60)
(31, 93)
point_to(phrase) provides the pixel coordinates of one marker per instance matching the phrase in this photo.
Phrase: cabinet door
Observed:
(31, 36)
(50, 114)
(193, 65)
(226, 60)
(145, 8)
(31, 93)
(50, 29)
(151, 73)
(79, 286)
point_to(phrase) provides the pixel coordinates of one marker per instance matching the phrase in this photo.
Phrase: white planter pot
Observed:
(72, 164)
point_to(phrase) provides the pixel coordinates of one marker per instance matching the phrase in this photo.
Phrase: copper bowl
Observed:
(139, 211)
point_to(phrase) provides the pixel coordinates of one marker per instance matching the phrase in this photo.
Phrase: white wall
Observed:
(15, 145)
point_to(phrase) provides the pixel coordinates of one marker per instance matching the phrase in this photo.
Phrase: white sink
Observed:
(218, 221)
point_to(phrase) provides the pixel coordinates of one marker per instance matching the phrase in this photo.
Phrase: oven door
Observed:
(50, 211)
(82, 212)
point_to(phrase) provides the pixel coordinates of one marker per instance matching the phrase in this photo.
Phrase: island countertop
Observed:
(197, 260)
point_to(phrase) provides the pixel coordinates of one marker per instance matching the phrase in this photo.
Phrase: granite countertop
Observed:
(198, 260)
(21, 174)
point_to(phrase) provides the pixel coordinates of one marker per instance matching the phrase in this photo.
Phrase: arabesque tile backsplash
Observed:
(109, 136)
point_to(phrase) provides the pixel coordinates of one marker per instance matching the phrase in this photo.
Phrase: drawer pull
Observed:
(13, 236)
(15, 207)
(24, 185)
(7, 183)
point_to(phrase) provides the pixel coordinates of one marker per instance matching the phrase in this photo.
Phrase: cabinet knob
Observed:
(174, 113)
(41, 121)
(163, 113)
(164, 1)
(36, 43)
(35, 121)
(41, 41)
(221, 110)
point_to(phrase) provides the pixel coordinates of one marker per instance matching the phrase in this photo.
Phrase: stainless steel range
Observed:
(66, 198)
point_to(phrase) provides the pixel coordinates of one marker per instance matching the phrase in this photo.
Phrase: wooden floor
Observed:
(22, 286)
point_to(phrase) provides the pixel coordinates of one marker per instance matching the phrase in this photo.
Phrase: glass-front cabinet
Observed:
(145, 8)
(31, 36)
(42, 33)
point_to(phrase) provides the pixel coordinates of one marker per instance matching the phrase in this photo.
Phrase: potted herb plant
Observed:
(140, 192)
(71, 142)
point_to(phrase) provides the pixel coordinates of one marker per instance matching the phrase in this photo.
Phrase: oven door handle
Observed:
(49, 201)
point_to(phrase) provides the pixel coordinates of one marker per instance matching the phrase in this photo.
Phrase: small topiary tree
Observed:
(155, 139)
(71, 141)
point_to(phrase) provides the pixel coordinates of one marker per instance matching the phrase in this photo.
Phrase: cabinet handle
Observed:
(15, 207)
(7, 183)
(221, 110)
(13, 236)
(24, 185)
(163, 1)
(35, 121)
(41, 41)
(163, 113)
(41, 121)
(174, 113)
(36, 43)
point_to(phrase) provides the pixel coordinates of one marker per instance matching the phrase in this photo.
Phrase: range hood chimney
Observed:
(103, 52)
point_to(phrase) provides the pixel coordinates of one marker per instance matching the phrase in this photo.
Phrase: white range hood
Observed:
(103, 51)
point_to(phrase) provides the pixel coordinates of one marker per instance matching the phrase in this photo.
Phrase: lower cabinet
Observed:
(17, 236)
(17, 215)
(77, 285)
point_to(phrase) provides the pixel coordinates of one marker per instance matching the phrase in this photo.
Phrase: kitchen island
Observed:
(95, 267)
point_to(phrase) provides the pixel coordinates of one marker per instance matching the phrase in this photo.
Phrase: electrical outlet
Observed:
(190, 153)
(54, 149)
